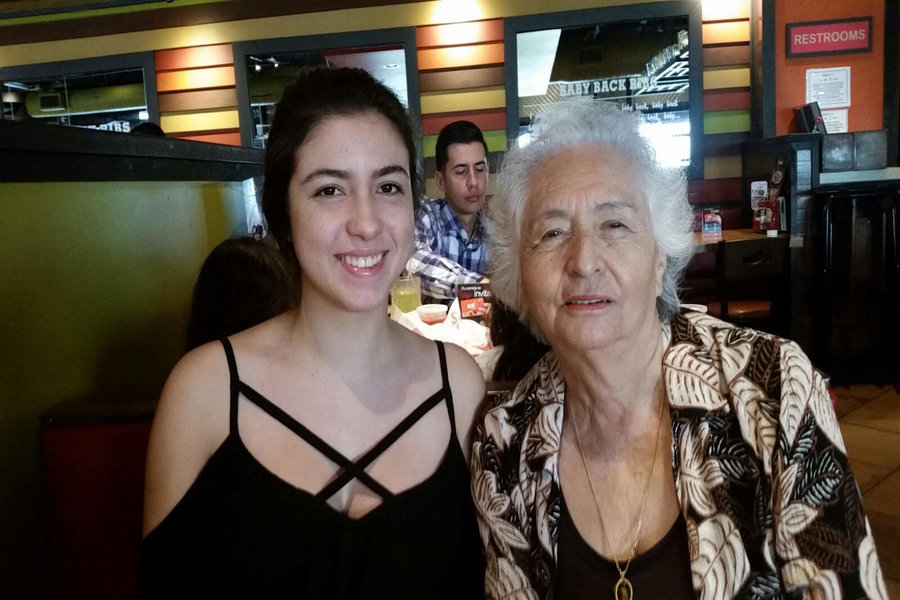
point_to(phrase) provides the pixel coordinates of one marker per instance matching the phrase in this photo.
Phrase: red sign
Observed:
(818, 38)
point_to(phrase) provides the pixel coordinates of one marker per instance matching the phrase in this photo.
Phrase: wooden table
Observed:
(708, 243)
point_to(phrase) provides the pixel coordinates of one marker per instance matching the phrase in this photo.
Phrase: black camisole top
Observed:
(242, 532)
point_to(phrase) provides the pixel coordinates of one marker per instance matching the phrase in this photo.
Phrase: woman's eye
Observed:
(551, 234)
(389, 188)
(329, 191)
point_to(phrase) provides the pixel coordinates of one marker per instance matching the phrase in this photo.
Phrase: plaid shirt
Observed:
(444, 255)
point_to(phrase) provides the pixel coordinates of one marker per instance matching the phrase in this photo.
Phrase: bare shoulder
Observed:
(191, 421)
(467, 385)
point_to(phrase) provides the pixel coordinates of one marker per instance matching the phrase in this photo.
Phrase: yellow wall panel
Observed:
(441, 102)
(195, 79)
(205, 121)
(726, 33)
(716, 79)
(723, 10)
(721, 167)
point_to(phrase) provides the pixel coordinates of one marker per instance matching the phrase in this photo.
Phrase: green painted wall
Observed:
(95, 280)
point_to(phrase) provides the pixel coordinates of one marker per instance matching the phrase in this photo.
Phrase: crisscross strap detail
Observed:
(350, 469)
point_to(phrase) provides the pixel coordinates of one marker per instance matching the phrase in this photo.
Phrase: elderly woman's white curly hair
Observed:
(583, 122)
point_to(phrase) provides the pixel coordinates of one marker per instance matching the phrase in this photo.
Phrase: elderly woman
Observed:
(654, 452)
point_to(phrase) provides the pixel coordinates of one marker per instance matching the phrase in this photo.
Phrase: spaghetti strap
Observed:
(235, 381)
(349, 469)
(445, 382)
(402, 427)
(313, 440)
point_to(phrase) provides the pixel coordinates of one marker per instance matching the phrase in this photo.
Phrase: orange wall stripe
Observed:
(199, 100)
(455, 34)
(229, 139)
(461, 56)
(486, 120)
(726, 33)
(191, 58)
(726, 99)
(194, 79)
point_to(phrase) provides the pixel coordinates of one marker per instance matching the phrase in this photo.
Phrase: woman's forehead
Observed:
(600, 178)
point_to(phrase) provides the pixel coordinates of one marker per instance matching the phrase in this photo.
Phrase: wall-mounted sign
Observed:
(840, 36)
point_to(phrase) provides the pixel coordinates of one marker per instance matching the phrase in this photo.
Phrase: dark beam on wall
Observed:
(174, 16)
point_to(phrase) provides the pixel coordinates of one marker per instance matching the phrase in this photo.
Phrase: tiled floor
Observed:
(870, 424)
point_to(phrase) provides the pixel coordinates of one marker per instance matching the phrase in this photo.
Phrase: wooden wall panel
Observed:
(192, 58)
(454, 57)
(457, 79)
(459, 101)
(725, 10)
(228, 139)
(729, 32)
(726, 105)
(195, 79)
(726, 99)
(726, 121)
(486, 120)
(715, 191)
(719, 78)
(197, 95)
(200, 121)
(717, 167)
(724, 56)
(477, 32)
(199, 100)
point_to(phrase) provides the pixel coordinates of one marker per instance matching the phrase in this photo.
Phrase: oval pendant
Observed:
(623, 589)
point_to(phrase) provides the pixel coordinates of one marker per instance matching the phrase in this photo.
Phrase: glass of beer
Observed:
(406, 293)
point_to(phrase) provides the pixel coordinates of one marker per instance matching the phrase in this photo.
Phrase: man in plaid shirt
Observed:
(451, 247)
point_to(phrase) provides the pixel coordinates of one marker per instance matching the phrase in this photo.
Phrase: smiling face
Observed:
(590, 267)
(351, 211)
(464, 179)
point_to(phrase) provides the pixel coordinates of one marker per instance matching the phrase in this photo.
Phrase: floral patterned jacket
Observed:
(760, 468)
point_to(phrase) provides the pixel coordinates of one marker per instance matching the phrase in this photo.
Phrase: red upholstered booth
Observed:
(93, 472)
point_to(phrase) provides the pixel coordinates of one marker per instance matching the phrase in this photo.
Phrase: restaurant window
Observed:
(646, 58)
(110, 93)
(270, 65)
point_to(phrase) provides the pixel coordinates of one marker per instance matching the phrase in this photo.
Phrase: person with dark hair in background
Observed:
(321, 453)
(148, 128)
(518, 348)
(451, 245)
(243, 282)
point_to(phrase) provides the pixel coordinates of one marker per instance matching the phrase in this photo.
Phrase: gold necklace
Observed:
(622, 589)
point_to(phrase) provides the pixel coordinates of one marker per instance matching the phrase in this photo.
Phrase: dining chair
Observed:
(751, 283)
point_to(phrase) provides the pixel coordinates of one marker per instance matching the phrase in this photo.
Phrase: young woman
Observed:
(320, 453)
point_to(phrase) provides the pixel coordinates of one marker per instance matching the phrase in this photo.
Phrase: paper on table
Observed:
(472, 336)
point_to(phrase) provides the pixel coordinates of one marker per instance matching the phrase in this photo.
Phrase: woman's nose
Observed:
(364, 221)
(583, 255)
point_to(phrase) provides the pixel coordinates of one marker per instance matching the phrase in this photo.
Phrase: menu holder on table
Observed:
(475, 301)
